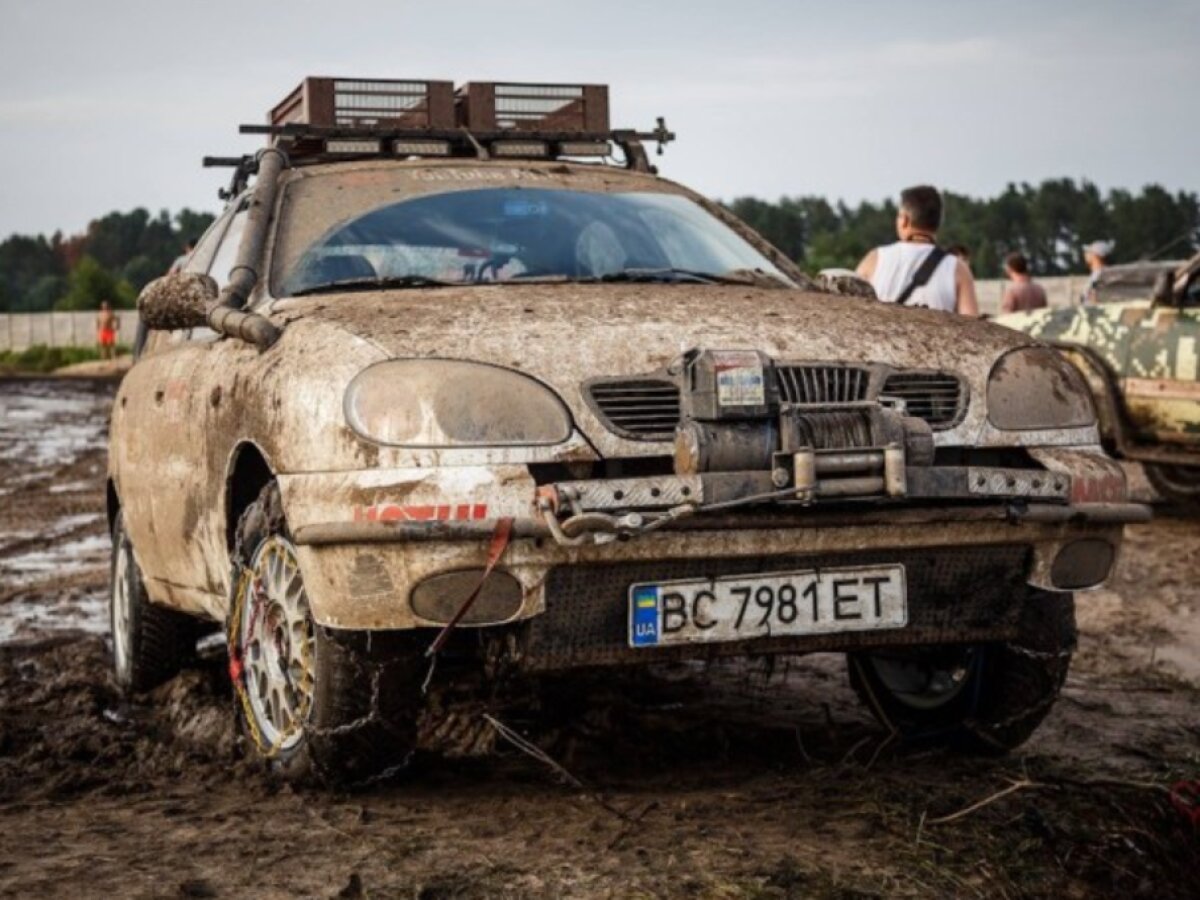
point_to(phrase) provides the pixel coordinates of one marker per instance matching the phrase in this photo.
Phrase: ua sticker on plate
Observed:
(643, 627)
(739, 379)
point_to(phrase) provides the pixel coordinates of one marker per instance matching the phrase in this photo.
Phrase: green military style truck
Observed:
(1137, 347)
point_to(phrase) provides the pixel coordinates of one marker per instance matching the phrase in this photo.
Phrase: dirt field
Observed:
(722, 782)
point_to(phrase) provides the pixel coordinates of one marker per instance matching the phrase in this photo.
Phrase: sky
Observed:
(110, 104)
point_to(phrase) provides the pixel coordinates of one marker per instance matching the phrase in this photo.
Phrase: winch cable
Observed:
(501, 537)
(633, 524)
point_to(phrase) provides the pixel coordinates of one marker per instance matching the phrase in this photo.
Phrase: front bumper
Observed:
(365, 540)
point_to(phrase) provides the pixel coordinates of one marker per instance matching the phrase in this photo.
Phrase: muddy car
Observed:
(1137, 348)
(470, 392)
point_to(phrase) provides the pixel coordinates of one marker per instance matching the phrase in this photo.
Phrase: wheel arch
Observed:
(249, 472)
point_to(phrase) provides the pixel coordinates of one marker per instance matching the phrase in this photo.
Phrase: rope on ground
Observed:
(1012, 788)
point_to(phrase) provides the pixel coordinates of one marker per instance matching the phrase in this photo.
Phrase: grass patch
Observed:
(41, 358)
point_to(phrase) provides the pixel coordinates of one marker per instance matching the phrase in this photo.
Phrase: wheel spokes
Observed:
(278, 644)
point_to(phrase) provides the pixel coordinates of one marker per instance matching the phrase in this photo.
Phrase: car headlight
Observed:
(1034, 388)
(449, 403)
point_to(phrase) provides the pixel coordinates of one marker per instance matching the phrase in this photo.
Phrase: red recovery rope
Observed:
(496, 547)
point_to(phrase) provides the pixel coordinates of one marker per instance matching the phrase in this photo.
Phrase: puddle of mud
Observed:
(45, 423)
(71, 612)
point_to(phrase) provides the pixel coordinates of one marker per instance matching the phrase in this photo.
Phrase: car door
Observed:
(1161, 383)
(162, 468)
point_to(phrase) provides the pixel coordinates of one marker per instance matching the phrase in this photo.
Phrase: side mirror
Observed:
(175, 301)
(1164, 289)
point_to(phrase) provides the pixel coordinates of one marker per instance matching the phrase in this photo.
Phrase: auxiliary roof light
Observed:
(520, 148)
(353, 146)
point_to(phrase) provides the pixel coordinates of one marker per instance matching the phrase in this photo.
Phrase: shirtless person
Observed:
(1023, 294)
(107, 326)
(891, 268)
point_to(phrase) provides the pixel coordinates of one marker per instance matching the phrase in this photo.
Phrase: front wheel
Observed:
(978, 697)
(1178, 484)
(150, 643)
(314, 702)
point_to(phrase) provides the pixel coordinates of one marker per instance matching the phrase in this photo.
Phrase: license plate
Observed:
(738, 607)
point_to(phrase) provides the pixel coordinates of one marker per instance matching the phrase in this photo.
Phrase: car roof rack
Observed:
(337, 119)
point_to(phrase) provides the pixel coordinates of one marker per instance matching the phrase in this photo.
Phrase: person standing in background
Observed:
(107, 326)
(915, 270)
(1096, 256)
(1022, 294)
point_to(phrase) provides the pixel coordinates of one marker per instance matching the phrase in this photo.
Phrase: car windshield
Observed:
(500, 235)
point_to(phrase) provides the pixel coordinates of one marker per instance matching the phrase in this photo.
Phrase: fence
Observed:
(19, 331)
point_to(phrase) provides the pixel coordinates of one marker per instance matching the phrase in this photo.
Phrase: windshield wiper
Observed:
(372, 284)
(670, 275)
(664, 275)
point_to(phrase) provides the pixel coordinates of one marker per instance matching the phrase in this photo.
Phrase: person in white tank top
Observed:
(890, 269)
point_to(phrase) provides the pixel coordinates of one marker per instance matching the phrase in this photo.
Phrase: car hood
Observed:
(565, 334)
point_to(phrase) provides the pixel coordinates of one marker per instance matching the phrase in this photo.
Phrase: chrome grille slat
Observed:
(818, 383)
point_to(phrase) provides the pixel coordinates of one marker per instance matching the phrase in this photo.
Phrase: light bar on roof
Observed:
(525, 149)
(352, 146)
(585, 148)
(421, 148)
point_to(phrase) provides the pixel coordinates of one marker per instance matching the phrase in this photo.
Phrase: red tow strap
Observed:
(1185, 797)
(496, 547)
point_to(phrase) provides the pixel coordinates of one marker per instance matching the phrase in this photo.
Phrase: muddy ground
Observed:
(726, 782)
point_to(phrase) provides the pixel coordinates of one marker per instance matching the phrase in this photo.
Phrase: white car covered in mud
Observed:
(437, 397)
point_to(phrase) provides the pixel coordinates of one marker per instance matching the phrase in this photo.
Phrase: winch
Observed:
(734, 419)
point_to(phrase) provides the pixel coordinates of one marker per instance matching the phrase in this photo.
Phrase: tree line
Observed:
(112, 260)
(1048, 222)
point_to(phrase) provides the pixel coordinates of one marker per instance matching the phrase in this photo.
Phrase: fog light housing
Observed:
(1082, 564)
(439, 597)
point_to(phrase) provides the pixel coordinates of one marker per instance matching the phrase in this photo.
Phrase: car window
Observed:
(500, 234)
(206, 247)
(221, 261)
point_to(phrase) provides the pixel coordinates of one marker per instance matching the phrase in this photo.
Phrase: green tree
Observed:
(89, 284)
(140, 271)
(45, 293)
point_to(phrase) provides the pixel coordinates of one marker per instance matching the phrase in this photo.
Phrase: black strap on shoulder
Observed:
(924, 272)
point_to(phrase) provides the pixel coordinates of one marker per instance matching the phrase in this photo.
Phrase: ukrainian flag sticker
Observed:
(644, 621)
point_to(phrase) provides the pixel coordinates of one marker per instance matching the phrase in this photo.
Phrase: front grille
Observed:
(822, 384)
(936, 397)
(954, 594)
(639, 408)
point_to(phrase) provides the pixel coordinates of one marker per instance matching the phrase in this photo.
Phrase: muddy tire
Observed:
(151, 644)
(1177, 484)
(314, 703)
(984, 698)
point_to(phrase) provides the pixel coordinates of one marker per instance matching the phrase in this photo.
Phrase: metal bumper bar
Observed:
(1016, 513)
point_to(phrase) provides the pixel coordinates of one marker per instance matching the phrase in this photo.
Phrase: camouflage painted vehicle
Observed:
(446, 394)
(1139, 348)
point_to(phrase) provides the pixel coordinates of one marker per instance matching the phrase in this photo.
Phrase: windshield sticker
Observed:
(478, 175)
(522, 208)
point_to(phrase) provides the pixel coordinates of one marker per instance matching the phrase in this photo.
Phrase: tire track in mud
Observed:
(53, 537)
